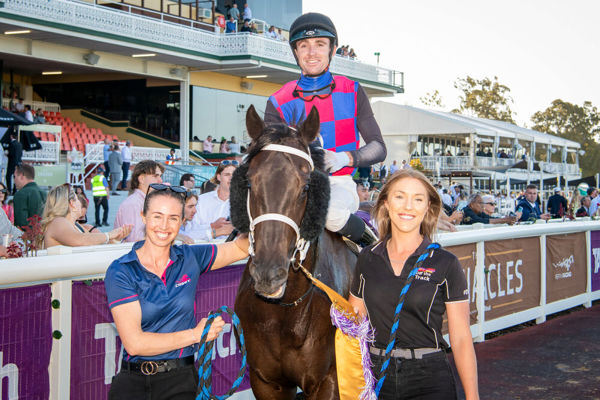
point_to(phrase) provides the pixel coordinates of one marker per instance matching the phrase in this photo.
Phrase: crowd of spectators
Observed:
(346, 52)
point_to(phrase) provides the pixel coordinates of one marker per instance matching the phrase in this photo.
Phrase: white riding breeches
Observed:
(343, 202)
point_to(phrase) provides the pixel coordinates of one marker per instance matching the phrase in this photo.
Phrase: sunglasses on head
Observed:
(230, 162)
(162, 186)
(3, 191)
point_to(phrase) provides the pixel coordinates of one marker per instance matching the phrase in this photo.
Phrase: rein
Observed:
(302, 245)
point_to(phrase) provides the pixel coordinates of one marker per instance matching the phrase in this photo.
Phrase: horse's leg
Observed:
(327, 389)
(264, 390)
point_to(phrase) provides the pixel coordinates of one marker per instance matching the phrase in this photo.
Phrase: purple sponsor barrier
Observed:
(595, 260)
(96, 348)
(25, 342)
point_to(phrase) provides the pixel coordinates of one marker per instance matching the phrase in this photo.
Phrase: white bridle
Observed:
(302, 245)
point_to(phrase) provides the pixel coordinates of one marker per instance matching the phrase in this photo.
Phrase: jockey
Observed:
(345, 114)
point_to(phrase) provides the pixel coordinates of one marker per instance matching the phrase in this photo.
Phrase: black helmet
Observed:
(312, 25)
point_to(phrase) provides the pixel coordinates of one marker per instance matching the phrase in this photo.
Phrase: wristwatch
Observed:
(214, 234)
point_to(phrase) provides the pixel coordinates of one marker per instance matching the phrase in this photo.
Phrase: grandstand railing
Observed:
(49, 153)
(45, 106)
(68, 265)
(77, 15)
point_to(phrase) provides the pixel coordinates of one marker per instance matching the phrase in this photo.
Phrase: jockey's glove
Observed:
(336, 161)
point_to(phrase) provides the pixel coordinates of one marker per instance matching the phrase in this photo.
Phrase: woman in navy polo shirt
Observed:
(151, 292)
(407, 211)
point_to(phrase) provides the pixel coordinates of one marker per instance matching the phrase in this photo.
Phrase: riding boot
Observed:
(357, 230)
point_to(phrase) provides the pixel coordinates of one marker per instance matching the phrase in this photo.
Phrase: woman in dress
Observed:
(60, 226)
(407, 212)
(151, 293)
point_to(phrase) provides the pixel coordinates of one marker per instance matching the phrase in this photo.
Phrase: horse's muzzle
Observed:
(269, 282)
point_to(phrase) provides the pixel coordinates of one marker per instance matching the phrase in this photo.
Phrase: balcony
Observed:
(92, 26)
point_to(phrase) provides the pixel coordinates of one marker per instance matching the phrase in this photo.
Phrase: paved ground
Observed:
(113, 206)
(556, 360)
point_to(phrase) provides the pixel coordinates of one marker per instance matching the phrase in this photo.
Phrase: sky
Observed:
(541, 50)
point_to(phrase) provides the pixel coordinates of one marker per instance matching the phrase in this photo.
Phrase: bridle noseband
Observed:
(302, 245)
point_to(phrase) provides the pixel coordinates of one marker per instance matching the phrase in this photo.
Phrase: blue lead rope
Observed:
(409, 280)
(205, 357)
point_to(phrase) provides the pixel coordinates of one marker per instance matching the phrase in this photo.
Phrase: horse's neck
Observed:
(333, 262)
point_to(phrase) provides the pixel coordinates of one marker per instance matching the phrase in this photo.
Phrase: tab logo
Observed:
(182, 281)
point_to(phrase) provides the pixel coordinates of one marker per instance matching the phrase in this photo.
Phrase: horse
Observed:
(280, 196)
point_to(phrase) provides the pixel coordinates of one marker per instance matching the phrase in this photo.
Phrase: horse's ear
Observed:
(254, 123)
(310, 127)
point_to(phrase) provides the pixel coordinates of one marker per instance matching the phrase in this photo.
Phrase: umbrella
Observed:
(7, 118)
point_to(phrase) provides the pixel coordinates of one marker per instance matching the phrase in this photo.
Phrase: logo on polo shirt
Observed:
(183, 281)
(424, 274)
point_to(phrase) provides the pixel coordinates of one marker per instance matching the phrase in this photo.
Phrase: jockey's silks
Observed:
(335, 98)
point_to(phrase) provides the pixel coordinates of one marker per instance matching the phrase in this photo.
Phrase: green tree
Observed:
(484, 98)
(573, 122)
(432, 99)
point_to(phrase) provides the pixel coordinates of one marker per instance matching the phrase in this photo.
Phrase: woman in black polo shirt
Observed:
(406, 212)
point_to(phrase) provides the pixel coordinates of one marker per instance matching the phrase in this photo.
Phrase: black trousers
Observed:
(106, 169)
(10, 170)
(179, 384)
(101, 201)
(430, 378)
(125, 168)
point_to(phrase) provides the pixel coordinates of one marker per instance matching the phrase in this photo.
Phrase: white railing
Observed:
(82, 15)
(94, 153)
(55, 107)
(71, 264)
(458, 163)
(50, 152)
(558, 168)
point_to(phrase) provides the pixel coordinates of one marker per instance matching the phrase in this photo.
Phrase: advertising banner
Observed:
(96, 348)
(566, 266)
(595, 260)
(467, 255)
(25, 342)
(512, 270)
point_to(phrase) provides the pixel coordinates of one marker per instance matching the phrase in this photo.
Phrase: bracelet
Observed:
(107, 238)
(193, 337)
(214, 234)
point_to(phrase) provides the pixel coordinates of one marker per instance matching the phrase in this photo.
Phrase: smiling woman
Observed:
(419, 282)
(151, 292)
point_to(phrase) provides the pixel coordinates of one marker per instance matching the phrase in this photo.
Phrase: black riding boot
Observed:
(357, 230)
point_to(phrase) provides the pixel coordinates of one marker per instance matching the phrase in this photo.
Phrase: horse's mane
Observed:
(316, 208)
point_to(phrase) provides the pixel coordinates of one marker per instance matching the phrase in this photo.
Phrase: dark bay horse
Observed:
(281, 200)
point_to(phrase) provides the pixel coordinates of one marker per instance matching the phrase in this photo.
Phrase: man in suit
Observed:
(15, 152)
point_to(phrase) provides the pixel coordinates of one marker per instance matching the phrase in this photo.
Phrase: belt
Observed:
(153, 367)
(409, 354)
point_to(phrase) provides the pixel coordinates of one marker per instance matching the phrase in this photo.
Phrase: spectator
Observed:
(234, 146)
(247, 15)
(592, 192)
(246, 27)
(15, 152)
(28, 114)
(115, 163)
(234, 13)
(212, 219)
(280, 35)
(584, 211)
(352, 54)
(271, 34)
(447, 200)
(382, 172)
(393, 167)
(7, 228)
(207, 145)
(557, 204)
(82, 220)
(528, 206)
(462, 199)
(29, 199)
(20, 107)
(8, 209)
(106, 153)
(489, 205)
(100, 195)
(224, 148)
(59, 222)
(231, 25)
(189, 211)
(253, 27)
(405, 165)
(144, 173)
(39, 117)
(362, 189)
(188, 181)
(172, 158)
(473, 213)
(126, 158)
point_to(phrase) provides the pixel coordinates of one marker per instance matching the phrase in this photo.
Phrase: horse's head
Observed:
(279, 197)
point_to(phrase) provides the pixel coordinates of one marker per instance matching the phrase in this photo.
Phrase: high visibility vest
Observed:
(98, 188)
